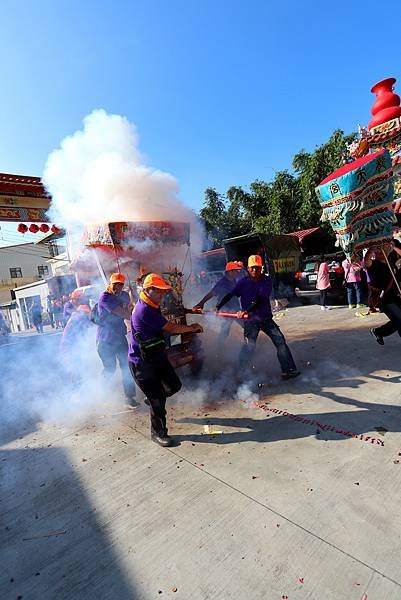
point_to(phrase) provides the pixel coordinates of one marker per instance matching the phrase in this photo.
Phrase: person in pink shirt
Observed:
(352, 277)
(323, 284)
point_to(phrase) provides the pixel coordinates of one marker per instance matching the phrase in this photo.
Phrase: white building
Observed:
(22, 264)
(24, 271)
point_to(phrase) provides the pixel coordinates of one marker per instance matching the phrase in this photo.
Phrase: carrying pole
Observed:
(100, 268)
(391, 271)
(200, 311)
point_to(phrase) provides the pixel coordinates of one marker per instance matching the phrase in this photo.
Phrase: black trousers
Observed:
(110, 354)
(393, 311)
(323, 297)
(158, 380)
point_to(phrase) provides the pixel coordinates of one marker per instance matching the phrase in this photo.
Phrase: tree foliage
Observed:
(286, 203)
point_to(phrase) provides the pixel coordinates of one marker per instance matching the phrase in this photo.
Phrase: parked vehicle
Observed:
(306, 278)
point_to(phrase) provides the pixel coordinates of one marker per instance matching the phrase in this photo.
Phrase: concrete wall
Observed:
(27, 257)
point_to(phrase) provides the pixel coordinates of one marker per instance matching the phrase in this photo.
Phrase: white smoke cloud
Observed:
(99, 175)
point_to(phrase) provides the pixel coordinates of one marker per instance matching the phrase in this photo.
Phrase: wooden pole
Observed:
(391, 271)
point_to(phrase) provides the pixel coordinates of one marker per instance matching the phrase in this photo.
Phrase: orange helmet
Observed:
(155, 281)
(117, 278)
(234, 265)
(255, 261)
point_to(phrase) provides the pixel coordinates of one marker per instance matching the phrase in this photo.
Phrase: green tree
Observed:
(287, 203)
(312, 167)
(275, 204)
(214, 214)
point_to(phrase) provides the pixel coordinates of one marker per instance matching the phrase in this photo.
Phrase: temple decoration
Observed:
(383, 132)
(362, 199)
(357, 202)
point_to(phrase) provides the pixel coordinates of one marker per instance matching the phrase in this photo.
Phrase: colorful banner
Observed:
(357, 201)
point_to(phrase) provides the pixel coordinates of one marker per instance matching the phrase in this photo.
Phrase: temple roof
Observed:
(22, 185)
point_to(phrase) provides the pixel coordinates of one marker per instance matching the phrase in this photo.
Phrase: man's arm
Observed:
(122, 312)
(202, 302)
(254, 304)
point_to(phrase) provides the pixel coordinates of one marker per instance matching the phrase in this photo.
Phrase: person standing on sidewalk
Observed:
(323, 283)
(352, 278)
(113, 309)
(148, 361)
(254, 292)
(36, 312)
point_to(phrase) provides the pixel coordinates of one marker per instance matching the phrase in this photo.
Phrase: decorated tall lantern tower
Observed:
(383, 132)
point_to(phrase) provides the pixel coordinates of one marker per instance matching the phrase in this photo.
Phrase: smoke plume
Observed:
(99, 175)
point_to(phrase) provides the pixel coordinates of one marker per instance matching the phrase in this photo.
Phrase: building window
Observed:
(43, 270)
(15, 272)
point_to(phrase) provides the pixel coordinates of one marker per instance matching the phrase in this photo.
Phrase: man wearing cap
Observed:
(112, 346)
(233, 272)
(254, 293)
(147, 357)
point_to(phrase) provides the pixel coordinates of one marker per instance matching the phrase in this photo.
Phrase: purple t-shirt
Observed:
(249, 290)
(223, 287)
(148, 323)
(111, 327)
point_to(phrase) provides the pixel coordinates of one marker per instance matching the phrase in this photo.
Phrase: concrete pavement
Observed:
(297, 498)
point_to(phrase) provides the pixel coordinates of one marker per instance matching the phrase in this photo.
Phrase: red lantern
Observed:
(22, 228)
(55, 229)
(33, 228)
(44, 228)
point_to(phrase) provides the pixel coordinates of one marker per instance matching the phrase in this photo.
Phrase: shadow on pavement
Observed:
(340, 359)
(41, 494)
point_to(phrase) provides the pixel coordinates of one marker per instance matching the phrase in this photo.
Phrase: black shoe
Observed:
(290, 374)
(378, 338)
(133, 403)
(164, 440)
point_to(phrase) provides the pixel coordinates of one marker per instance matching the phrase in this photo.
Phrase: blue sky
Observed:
(223, 92)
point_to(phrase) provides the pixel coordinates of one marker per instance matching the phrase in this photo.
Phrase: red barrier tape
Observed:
(322, 426)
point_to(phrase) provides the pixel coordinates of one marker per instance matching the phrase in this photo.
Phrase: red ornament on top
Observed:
(33, 228)
(387, 104)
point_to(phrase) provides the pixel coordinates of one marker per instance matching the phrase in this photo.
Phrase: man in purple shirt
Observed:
(233, 272)
(112, 346)
(147, 358)
(254, 293)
